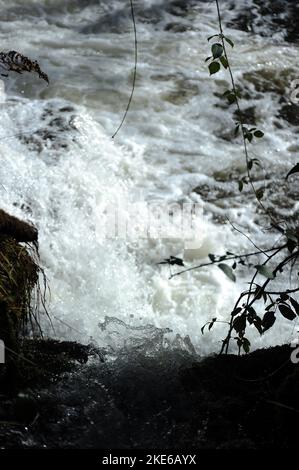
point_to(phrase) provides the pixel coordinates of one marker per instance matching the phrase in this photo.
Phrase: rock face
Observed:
(18, 277)
(11, 227)
(268, 17)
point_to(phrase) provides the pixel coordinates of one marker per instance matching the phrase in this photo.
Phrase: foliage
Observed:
(244, 312)
(259, 297)
(16, 62)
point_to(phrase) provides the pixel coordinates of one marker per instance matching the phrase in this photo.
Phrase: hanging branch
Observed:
(134, 71)
(244, 314)
(219, 51)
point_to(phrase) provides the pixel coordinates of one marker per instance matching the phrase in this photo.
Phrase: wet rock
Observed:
(178, 7)
(280, 197)
(247, 115)
(221, 195)
(18, 277)
(290, 113)
(267, 18)
(118, 22)
(243, 22)
(25, 408)
(59, 123)
(270, 80)
(42, 361)
(183, 92)
(182, 8)
(177, 27)
(15, 228)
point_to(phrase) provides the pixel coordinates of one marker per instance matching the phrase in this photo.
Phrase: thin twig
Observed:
(282, 405)
(246, 236)
(134, 72)
(228, 258)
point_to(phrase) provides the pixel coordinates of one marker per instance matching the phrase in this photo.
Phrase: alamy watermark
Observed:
(295, 345)
(153, 220)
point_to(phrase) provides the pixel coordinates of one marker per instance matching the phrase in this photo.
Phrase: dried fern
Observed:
(16, 62)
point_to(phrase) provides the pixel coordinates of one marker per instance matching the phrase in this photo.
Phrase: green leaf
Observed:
(217, 50)
(246, 345)
(229, 41)
(295, 305)
(287, 312)
(241, 186)
(208, 58)
(228, 271)
(259, 134)
(251, 314)
(248, 136)
(224, 62)
(231, 98)
(214, 36)
(212, 257)
(257, 322)
(214, 67)
(268, 320)
(291, 246)
(212, 323)
(270, 306)
(258, 292)
(236, 311)
(264, 271)
(256, 162)
(239, 323)
(295, 169)
(260, 193)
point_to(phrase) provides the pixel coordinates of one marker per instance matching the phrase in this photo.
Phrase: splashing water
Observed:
(59, 165)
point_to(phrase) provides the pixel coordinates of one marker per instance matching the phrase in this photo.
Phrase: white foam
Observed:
(162, 152)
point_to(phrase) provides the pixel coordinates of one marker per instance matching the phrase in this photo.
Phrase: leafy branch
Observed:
(220, 57)
(244, 313)
(240, 259)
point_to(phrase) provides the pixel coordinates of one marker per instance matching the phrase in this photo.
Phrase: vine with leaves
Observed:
(285, 255)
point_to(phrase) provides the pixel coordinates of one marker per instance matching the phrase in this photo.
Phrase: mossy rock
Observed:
(18, 276)
(268, 80)
(19, 230)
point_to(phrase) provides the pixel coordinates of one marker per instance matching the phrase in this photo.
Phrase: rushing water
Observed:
(59, 163)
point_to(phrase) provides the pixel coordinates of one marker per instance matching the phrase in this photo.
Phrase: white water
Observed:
(167, 146)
